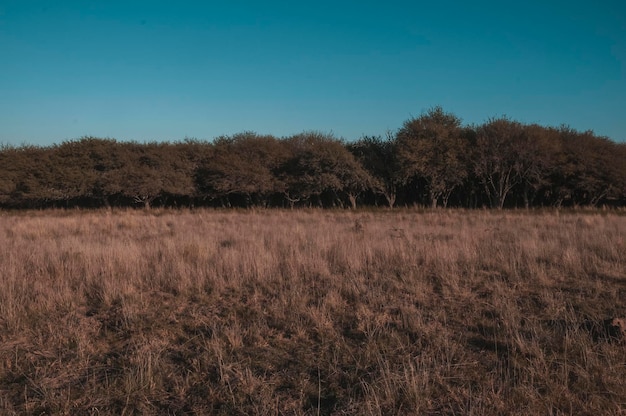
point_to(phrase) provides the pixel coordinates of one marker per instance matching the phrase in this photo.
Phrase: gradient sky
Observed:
(166, 70)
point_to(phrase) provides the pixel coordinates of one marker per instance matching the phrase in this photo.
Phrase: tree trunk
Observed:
(290, 200)
(526, 197)
(352, 199)
(446, 198)
(501, 199)
(391, 198)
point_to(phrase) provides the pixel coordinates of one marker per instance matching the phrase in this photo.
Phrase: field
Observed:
(312, 312)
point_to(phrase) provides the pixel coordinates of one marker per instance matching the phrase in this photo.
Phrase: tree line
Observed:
(432, 160)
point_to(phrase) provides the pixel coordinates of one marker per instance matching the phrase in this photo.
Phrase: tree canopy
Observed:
(431, 160)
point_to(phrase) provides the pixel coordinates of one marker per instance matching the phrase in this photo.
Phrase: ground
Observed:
(311, 312)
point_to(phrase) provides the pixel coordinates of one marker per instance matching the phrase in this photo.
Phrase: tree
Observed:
(497, 161)
(23, 174)
(378, 157)
(9, 173)
(80, 170)
(589, 168)
(145, 173)
(319, 163)
(619, 164)
(245, 165)
(536, 152)
(433, 148)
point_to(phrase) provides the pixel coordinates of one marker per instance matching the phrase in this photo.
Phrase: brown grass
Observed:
(310, 312)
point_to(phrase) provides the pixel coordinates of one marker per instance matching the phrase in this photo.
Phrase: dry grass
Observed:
(310, 312)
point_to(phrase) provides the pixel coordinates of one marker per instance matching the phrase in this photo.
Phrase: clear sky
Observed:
(166, 70)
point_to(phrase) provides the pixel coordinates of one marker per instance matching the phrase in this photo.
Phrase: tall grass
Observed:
(310, 312)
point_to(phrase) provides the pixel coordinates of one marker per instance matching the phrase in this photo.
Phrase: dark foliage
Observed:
(433, 159)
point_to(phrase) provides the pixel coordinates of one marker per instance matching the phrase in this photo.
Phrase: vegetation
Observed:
(433, 148)
(309, 312)
(431, 160)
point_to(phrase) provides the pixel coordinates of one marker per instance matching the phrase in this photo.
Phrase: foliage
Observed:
(379, 157)
(498, 158)
(432, 159)
(590, 168)
(243, 165)
(433, 147)
(320, 164)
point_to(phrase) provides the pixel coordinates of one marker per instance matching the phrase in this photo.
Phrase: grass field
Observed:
(311, 312)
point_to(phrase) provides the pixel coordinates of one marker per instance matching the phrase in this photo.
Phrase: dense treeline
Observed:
(432, 160)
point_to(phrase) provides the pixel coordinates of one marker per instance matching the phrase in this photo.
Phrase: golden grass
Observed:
(310, 312)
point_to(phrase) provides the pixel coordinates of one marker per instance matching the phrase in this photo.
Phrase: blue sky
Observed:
(166, 70)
